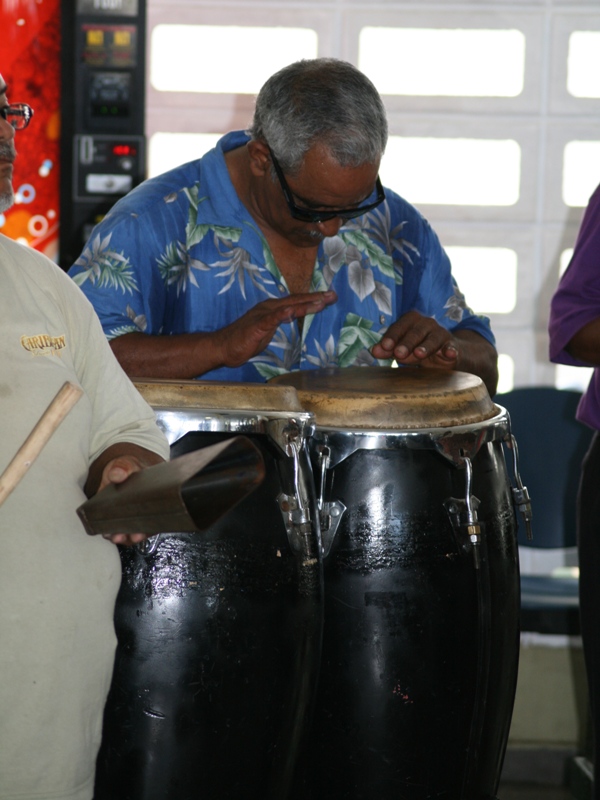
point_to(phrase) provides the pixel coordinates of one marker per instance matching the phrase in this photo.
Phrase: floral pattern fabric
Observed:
(181, 254)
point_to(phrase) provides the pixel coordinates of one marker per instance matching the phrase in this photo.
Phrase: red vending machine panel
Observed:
(30, 65)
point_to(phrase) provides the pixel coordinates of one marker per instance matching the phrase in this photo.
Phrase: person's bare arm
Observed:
(585, 344)
(477, 356)
(415, 339)
(190, 355)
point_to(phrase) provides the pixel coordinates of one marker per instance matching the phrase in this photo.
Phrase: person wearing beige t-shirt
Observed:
(57, 585)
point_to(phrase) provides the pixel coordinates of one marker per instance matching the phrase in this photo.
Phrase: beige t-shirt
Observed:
(57, 584)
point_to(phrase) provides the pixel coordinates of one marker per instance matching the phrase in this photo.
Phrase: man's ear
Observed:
(260, 158)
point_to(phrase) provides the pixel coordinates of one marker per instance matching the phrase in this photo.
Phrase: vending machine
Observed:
(103, 153)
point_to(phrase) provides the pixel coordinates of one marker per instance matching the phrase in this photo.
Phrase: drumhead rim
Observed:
(245, 413)
(461, 428)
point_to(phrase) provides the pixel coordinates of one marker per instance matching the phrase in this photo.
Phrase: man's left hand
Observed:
(416, 339)
(115, 465)
(117, 471)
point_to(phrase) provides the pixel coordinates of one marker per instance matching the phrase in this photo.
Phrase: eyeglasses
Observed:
(17, 114)
(309, 215)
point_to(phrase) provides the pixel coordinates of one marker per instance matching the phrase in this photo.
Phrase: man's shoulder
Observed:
(399, 206)
(19, 255)
(22, 265)
(209, 170)
(177, 187)
(162, 188)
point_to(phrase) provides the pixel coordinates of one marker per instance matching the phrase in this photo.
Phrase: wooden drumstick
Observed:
(63, 402)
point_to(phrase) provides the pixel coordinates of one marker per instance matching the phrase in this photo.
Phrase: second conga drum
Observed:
(219, 632)
(421, 636)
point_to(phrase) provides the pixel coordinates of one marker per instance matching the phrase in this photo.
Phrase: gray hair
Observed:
(324, 100)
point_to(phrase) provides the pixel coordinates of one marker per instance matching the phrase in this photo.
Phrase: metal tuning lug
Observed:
(330, 514)
(295, 518)
(464, 519)
(295, 508)
(149, 546)
(519, 492)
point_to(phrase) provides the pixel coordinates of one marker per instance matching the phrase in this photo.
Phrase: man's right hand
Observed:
(250, 334)
(189, 355)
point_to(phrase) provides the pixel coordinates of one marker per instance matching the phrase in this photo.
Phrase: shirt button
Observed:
(281, 288)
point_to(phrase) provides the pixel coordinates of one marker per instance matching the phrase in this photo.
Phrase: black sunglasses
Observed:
(17, 114)
(310, 215)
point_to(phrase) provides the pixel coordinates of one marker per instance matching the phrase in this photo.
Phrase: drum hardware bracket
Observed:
(296, 520)
(520, 494)
(330, 514)
(465, 524)
(148, 546)
(288, 434)
(295, 508)
(463, 516)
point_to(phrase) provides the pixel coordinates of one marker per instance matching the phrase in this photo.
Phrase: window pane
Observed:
(424, 61)
(576, 378)
(506, 373)
(223, 58)
(479, 172)
(487, 276)
(168, 150)
(581, 172)
(565, 257)
(583, 65)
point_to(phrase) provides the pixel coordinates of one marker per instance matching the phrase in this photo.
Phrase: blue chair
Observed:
(551, 445)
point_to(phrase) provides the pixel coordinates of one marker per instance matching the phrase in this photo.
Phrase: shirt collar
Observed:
(223, 197)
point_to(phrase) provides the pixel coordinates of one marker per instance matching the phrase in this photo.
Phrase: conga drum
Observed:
(219, 632)
(421, 630)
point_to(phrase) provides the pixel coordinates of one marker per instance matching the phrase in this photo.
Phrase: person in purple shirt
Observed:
(575, 340)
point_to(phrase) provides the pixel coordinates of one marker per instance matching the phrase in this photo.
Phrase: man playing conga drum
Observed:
(280, 250)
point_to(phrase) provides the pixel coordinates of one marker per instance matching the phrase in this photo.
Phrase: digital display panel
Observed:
(109, 94)
(125, 8)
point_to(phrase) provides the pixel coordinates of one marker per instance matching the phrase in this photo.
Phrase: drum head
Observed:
(210, 394)
(403, 398)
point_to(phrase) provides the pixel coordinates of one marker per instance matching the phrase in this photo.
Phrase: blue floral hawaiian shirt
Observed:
(180, 253)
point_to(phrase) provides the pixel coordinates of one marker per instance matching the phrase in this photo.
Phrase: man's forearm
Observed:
(184, 356)
(585, 344)
(477, 356)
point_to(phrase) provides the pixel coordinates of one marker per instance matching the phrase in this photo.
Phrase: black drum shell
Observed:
(219, 637)
(420, 652)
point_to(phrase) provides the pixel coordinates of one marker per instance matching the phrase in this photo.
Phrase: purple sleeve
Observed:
(577, 298)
